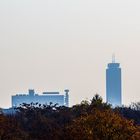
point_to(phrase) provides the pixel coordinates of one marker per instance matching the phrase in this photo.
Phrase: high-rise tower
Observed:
(113, 83)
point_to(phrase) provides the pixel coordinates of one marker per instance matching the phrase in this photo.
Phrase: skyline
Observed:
(94, 94)
(62, 44)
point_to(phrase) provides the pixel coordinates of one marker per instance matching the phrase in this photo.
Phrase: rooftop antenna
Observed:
(113, 58)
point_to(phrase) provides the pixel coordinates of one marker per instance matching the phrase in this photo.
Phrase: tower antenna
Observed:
(113, 58)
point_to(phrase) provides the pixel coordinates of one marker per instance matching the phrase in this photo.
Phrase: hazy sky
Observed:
(51, 45)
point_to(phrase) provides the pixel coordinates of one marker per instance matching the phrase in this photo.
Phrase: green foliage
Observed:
(97, 102)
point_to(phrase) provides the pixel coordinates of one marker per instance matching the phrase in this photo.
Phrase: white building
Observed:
(44, 98)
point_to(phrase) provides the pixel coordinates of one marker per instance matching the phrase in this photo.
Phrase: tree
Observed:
(97, 102)
(102, 125)
(10, 129)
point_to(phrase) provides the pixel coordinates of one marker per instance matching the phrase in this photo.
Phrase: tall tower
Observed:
(113, 83)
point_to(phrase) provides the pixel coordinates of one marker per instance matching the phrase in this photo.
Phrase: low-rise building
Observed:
(44, 98)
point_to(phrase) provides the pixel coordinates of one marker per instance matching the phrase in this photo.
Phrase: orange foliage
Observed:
(103, 125)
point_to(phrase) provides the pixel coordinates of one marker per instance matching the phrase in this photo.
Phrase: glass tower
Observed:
(113, 84)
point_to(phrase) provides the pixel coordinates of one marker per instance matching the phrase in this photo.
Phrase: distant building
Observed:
(9, 111)
(113, 84)
(45, 98)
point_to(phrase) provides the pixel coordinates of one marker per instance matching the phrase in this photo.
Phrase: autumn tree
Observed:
(102, 125)
(10, 129)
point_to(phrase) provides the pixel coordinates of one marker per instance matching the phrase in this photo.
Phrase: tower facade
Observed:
(113, 84)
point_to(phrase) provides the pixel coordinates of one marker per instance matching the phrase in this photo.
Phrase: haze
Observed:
(51, 45)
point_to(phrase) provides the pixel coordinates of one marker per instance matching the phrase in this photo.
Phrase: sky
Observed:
(52, 45)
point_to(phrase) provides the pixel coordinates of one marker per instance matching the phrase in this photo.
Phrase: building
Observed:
(44, 98)
(9, 111)
(113, 84)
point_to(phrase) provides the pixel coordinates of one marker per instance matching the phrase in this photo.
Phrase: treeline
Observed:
(93, 120)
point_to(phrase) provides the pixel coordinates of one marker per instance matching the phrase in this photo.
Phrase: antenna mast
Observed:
(113, 58)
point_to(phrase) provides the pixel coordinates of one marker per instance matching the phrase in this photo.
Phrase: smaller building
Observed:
(9, 111)
(44, 98)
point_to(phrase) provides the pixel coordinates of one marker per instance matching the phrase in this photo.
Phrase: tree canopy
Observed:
(94, 120)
